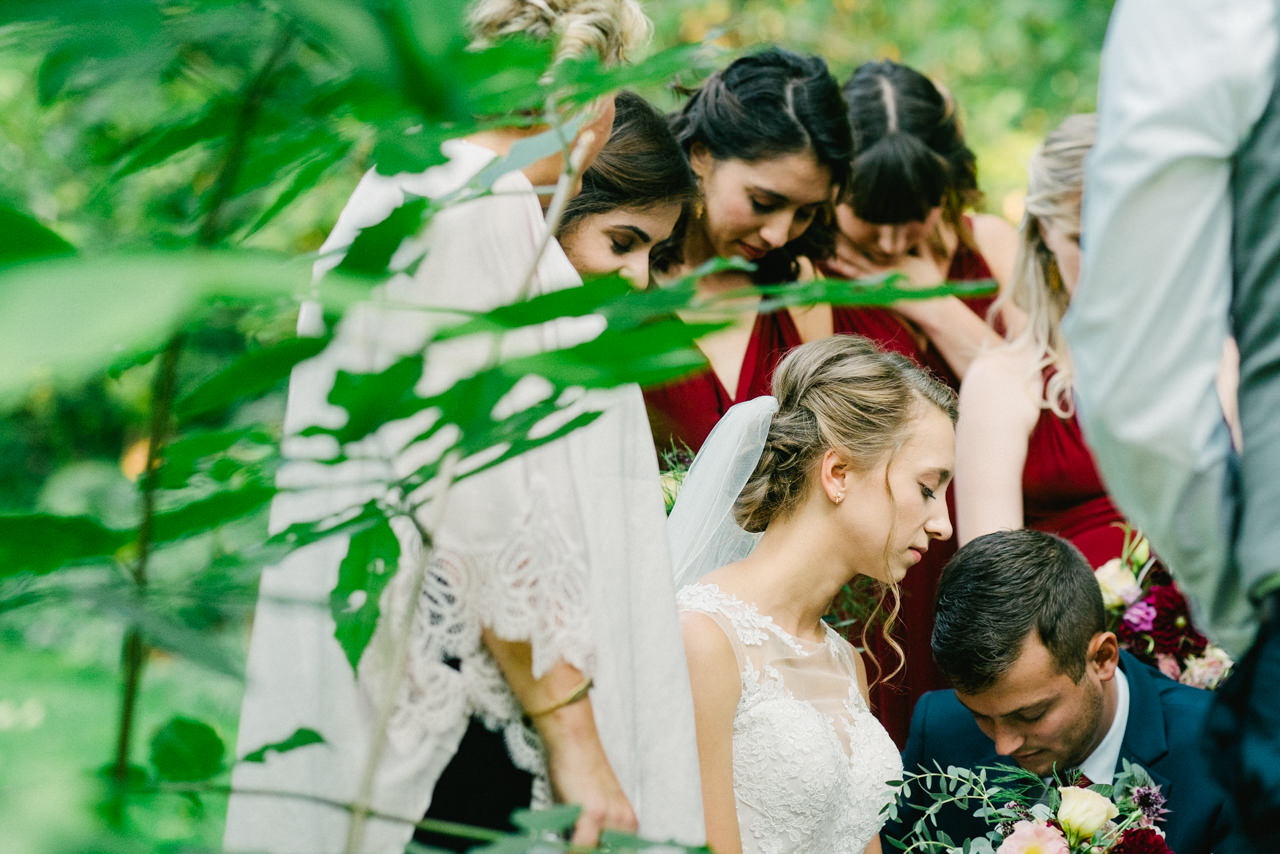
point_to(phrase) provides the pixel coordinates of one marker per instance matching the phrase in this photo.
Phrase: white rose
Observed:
(1083, 812)
(1119, 584)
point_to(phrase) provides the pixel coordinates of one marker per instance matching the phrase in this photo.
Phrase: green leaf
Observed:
(24, 239)
(65, 319)
(249, 376)
(165, 630)
(372, 558)
(205, 514)
(308, 175)
(370, 253)
(552, 819)
(373, 399)
(40, 543)
(161, 144)
(301, 738)
(186, 750)
(192, 453)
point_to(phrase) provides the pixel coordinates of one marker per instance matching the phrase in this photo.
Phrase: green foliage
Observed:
(372, 559)
(185, 750)
(301, 737)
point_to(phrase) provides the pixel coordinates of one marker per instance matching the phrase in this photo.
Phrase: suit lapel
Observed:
(1144, 734)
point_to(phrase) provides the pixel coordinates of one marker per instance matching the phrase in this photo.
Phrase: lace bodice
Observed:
(811, 764)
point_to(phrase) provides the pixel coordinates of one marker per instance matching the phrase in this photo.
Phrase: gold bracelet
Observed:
(579, 693)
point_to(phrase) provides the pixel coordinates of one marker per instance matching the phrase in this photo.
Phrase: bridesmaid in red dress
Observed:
(912, 179)
(1020, 453)
(769, 142)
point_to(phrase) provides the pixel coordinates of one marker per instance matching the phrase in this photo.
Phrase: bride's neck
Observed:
(790, 575)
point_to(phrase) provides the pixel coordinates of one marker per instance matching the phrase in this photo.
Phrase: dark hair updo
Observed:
(641, 165)
(768, 105)
(909, 154)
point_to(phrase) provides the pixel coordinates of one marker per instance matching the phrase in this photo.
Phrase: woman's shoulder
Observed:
(997, 242)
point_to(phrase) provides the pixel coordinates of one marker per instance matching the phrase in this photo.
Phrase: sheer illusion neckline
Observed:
(737, 608)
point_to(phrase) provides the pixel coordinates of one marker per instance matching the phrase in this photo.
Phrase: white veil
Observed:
(701, 529)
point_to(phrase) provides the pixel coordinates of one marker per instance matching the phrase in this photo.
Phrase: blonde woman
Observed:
(1021, 458)
(843, 473)
(543, 660)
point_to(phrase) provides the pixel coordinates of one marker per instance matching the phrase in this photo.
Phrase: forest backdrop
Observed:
(137, 129)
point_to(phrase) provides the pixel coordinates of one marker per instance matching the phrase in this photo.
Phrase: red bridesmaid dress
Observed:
(682, 413)
(1062, 492)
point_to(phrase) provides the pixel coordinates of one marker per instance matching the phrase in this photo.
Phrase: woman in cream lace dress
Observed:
(846, 472)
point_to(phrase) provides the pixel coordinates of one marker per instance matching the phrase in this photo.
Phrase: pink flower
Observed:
(1168, 665)
(1140, 616)
(1034, 838)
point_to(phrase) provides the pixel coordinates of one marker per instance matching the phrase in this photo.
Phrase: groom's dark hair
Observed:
(1000, 588)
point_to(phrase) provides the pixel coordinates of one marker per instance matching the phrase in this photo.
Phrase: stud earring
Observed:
(839, 496)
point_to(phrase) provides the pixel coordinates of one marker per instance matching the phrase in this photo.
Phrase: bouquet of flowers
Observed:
(1026, 817)
(1149, 615)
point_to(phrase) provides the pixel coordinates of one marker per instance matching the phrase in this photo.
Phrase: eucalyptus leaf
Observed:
(194, 452)
(308, 175)
(554, 819)
(370, 253)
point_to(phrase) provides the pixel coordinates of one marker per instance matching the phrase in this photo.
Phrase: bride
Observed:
(844, 473)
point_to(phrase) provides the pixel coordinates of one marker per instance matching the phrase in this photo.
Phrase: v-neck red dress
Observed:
(683, 412)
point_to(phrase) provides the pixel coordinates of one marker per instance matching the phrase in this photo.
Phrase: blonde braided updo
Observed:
(610, 29)
(838, 393)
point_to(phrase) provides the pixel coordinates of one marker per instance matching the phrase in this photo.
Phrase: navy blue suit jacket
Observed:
(1163, 735)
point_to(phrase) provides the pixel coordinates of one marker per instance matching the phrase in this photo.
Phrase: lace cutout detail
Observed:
(811, 764)
(532, 585)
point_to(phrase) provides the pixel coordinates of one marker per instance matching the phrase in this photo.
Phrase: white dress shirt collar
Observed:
(1100, 765)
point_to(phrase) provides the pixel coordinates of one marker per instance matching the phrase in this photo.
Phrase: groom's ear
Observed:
(1104, 655)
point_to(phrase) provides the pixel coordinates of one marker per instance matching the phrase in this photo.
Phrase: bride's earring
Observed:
(838, 497)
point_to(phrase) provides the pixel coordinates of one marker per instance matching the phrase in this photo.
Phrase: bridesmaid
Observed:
(1022, 446)
(769, 141)
(632, 195)
(912, 178)
(911, 181)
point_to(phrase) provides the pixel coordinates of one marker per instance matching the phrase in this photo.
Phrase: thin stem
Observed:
(360, 807)
(134, 652)
(251, 102)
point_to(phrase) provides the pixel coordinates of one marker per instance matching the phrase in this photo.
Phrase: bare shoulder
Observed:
(713, 664)
(705, 641)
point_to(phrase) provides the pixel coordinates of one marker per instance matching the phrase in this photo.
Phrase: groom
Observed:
(1021, 632)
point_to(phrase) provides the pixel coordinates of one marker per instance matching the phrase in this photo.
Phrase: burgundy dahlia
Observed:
(1171, 630)
(1141, 840)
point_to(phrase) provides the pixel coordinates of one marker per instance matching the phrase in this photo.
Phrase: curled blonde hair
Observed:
(610, 29)
(839, 393)
(1055, 184)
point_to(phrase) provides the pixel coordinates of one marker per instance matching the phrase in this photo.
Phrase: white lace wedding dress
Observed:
(811, 764)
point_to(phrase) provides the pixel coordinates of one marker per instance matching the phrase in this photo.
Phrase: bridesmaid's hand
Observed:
(848, 262)
(581, 774)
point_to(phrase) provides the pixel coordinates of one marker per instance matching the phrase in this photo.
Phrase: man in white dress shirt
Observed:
(1181, 248)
